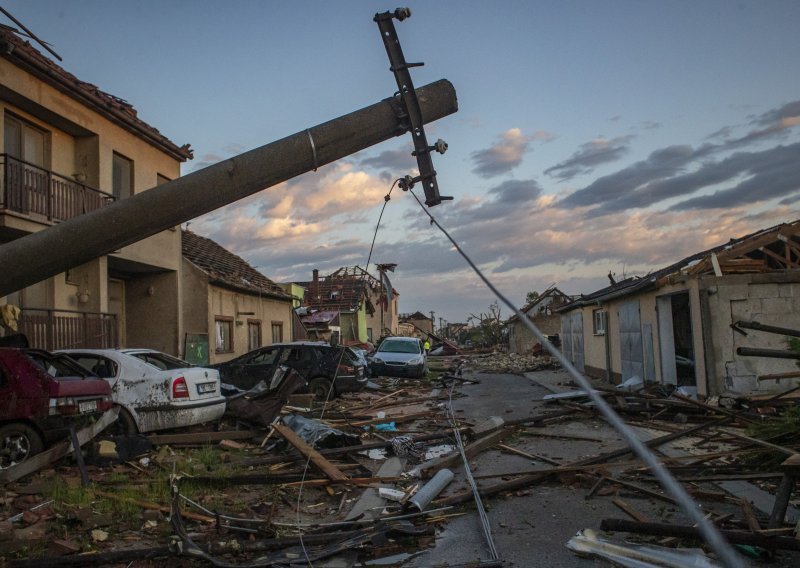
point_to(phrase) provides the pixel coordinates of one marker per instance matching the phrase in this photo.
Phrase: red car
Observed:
(41, 395)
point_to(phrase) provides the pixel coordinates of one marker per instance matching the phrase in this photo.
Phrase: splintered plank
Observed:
(202, 437)
(331, 471)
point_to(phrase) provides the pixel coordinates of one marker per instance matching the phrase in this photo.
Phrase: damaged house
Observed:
(229, 307)
(541, 310)
(68, 149)
(680, 325)
(350, 302)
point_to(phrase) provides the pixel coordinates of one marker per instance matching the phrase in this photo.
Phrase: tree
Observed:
(531, 297)
(491, 329)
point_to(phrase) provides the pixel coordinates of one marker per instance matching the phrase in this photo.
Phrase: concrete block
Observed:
(776, 305)
(789, 290)
(764, 291)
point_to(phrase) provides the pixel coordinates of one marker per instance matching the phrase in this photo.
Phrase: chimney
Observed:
(315, 285)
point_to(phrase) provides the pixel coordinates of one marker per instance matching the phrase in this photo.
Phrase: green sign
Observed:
(195, 348)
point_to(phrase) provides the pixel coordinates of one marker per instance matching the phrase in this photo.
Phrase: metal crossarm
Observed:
(408, 98)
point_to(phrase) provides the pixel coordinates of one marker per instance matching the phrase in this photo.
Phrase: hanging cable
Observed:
(308, 460)
(484, 518)
(710, 533)
(386, 199)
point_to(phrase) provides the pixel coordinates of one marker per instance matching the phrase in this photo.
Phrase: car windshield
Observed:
(162, 360)
(389, 346)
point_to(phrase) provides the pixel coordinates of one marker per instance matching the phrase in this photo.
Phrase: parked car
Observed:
(399, 357)
(318, 363)
(156, 391)
(41, 395)
(361, 355)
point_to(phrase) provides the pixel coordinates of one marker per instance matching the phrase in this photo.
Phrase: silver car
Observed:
(399, 357)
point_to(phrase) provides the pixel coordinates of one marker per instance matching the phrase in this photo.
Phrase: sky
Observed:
(591, 137)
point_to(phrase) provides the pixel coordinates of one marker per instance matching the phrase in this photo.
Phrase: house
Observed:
(678, 325)
(363, 306)
(70, 148)
(421, 324)
(229, 308)
(541, 310)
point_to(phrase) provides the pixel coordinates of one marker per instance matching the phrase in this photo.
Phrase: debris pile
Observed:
(512, 363)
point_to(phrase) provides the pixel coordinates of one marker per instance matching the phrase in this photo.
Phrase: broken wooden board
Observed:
(331, 471)
(202, 437)
(454, 459)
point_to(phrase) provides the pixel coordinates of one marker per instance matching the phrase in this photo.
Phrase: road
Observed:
(531, 527)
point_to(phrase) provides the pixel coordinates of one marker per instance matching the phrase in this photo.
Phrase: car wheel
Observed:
(320, 387)
(125, 425)
(18, 442)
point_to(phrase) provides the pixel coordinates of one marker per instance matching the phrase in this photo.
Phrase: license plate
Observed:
(87, 406)
(205, 388)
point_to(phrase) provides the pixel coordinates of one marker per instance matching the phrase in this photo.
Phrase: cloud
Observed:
(681, 170)
(503, 156)
(770, 174)
(589, 156)
(662, 163)
(397, 162)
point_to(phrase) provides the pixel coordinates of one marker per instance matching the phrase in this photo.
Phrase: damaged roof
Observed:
(773, 249)
(227, 269)
(22, 54)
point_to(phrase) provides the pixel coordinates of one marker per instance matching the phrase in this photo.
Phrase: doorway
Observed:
(676, 340)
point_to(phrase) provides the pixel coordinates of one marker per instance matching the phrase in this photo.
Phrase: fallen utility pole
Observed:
(46, 253)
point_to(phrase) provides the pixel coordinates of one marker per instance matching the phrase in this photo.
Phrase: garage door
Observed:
(630, 339)
(572, 338)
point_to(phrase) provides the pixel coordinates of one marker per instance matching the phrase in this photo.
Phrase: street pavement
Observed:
(530, 527)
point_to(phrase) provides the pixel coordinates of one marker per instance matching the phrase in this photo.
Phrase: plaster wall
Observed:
(243, 307)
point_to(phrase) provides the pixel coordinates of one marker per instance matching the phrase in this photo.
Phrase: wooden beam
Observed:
(331, 471)
(203, 437)
(454, 459)
(630, 511)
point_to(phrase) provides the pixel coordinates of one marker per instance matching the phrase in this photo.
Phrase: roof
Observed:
(226, 269)
(559, 299)
(776, 248)
(324, 316)
(415, 316)
(22, 54)
(337, 291)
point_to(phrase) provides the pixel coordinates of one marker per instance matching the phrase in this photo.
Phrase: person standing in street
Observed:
(426, 346)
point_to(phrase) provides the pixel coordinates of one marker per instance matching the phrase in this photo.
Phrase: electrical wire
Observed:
(308, 460)
(484, 518)
(709, 532)
(386, 200)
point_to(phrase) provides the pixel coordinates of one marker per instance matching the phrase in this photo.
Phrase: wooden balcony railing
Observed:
(67, 329)
(30, 189)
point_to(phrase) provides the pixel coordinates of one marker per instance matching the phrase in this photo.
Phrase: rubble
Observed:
(511, 363)
(242, 497)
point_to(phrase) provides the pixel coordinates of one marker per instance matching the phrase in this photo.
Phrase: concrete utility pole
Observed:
(43, 254)
(433, 322)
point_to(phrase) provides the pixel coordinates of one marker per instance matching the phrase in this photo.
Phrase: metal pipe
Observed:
(43, 254)
(430, 490)
(770, 353)
(767, 328)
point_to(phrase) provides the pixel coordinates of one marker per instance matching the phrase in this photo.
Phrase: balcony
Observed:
(67, 329)
(31, 190)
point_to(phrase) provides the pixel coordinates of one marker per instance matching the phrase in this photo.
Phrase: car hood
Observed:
(389, 357)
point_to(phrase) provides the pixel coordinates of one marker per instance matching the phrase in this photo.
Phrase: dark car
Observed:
(41, 395)
(317, 363)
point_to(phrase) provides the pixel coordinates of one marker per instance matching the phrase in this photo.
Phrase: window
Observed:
(599, 322)
(224, 334)
(263, 357)
(253, 334)
(161, 180)
(369, 334)
(24, 141)
(122, 182)
(277, 331)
